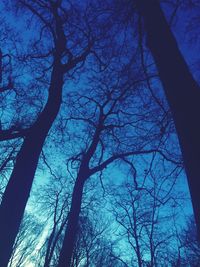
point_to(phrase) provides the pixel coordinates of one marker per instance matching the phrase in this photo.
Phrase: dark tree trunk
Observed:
(53, 240)
(72, 225)
(48, 255)
(182, 92)
(18, 189)
(139, 258)
(84, 173)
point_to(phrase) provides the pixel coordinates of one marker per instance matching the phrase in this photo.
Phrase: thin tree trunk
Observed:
(52, 244)
(84, 173)
(72, 225)
(48, 251)
(182, 92)
(137, 245)
(18, 189)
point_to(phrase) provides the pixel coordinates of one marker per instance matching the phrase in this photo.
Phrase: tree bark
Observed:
(18, 189)
(182, 92)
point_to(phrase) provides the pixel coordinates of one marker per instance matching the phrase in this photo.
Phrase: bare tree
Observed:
(26, 241)
(55, 201)
(60, 207)
(142, 210)
(180, 88)
(107, 140)
(116, 120)
(90, 236)
(189, 245)
(54, 20)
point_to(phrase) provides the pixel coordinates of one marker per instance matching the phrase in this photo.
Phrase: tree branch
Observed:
(127, 154)
(12, 134)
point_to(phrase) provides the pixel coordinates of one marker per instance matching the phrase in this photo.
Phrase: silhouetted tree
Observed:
(60, 216)
(189, 245)
(54, 202)
(90, 236)
(26, 241)
(53, 18)
(113, 116)
(142, 209)
(181, 89)
(6, 164)
(107, 139)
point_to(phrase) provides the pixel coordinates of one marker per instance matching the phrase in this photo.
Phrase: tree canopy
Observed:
(99, 133)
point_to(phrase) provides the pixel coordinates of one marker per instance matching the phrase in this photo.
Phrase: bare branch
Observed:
(131, 153)
(13, 134)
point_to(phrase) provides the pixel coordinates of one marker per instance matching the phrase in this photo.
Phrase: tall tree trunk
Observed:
(18, 189)
(48, 253)
(84, 173)
(72, 225)
(53, 240)
(182, 92)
